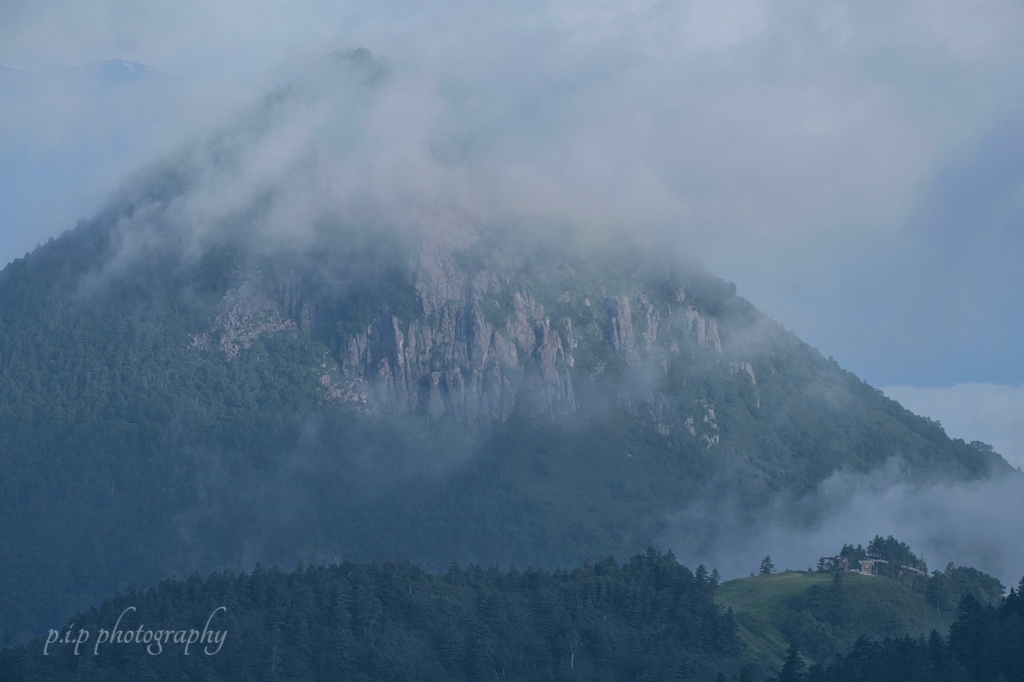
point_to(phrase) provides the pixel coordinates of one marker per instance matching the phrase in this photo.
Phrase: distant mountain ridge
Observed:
(108, 72)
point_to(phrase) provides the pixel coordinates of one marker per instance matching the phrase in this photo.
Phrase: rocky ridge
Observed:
(478, 337)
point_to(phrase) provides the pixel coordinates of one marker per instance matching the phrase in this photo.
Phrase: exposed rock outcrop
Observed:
(468, 355)
(474, 338)
(620, 330)
(458, 366)
(709, 422)
(247, 313)
(705, 328)
(737, 367)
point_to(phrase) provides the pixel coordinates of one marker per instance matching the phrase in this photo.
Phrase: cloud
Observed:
(969, 524)
(987, 412)
(725, 125)
(853, 166)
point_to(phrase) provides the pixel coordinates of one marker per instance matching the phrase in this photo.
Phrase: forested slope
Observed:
(168, 410)
(649, 619)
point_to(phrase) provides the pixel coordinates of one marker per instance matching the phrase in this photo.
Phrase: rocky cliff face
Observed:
(454, 360)
(478, 336)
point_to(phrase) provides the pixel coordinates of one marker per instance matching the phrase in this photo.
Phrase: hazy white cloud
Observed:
(970, 524)
(775, 141)
(744, 121)
(990, 413)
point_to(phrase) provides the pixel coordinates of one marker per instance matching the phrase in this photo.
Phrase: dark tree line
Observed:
(985, 644)
(649, 619)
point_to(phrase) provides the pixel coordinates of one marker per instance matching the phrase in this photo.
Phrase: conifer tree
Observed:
(793, 668)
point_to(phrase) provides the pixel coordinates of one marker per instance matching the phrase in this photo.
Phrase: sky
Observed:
(857, 168)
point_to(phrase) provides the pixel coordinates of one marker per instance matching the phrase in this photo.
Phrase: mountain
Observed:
(184, 390)
(42, 89)
(106, 73)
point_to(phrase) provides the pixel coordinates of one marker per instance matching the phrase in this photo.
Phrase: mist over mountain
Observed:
(305, 336)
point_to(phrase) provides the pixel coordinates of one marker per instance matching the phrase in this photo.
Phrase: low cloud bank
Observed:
(975, 524)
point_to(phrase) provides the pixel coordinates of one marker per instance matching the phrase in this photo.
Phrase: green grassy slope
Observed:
(778, 610)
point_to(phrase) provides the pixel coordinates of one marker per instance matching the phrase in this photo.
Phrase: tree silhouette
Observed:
(793, 668)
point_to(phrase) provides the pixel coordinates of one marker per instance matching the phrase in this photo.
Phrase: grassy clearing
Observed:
(776, 611)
